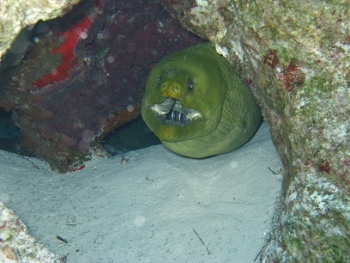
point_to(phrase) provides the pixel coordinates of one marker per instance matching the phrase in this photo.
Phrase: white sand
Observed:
(149, 208)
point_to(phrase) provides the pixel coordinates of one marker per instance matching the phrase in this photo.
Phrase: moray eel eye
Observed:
(172, 112)
(190, 85)
(159, 80)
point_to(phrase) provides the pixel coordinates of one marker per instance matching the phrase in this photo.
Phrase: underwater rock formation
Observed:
(16, 245)
(295, 55)
(84, 76)
(17, 14)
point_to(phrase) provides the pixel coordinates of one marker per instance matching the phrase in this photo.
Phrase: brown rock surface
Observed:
(84, 76)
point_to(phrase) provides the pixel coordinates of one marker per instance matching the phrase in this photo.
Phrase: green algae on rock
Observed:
(197, 105)
(296, 57)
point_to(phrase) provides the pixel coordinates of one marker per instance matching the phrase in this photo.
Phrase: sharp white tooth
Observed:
(172, 116)
(179, 116)
(192, 115)
(164, 107)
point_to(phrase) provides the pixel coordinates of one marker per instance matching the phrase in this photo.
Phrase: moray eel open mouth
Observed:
(172, 112)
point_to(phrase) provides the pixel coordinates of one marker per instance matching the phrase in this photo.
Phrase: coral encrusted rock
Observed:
(84, 76)
(295, 56)
(16, 245)
(17, 14)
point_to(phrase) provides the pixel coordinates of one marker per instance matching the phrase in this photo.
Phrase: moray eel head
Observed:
(197, 105)
(177, 104)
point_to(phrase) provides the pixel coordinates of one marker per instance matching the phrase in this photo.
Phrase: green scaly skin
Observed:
(205, 83)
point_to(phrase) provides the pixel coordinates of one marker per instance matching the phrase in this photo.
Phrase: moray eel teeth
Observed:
(172, 112)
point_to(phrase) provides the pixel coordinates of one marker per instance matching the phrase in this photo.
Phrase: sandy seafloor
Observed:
(147, 206)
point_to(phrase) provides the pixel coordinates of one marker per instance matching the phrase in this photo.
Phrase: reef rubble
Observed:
(16, 244)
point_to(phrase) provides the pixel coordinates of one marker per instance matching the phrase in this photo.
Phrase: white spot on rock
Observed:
(83, 35)
(130, 108)
(203, 3)
(110, 59)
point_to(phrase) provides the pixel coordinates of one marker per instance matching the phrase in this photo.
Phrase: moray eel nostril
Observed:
(198, 105)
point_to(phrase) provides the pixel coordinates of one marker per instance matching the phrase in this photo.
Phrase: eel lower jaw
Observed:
(171, 112)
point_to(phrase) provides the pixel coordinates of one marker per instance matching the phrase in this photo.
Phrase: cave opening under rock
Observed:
(131, 136)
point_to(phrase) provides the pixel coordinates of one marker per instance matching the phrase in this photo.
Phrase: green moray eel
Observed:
(197, 105)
